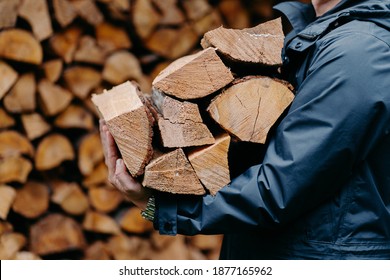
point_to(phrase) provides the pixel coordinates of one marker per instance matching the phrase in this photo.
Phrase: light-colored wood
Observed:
(53, 98)
(14, 169)
(100, 223)
(5, 227)
(88, 11)
(8, 77)
(180, 124)
(172, 43)
(261, 44)
(96, 251)
(75, 116)
(26, 256)
(90, 153)
(196, 9)
(119, 9)
(105, 199)
(12, 143)
(37, 14)
(236, 16)
(177, 250)
(249, 108)
(171, 13)
(8, 13)
(89, 51)
(56, 233)
(207, 71)
(6, 120)
(211, 164)
(10, 244)
(7, 197)
(123, 110)
(70, 197)
(22, 97)
(123, 247)
(111, 37)
(131, 221)
(52, 151)
(97, 177)
(53, 69)
(32, 200)
(172, 173)
(145, 18)
(34, 125)
(64, 43)
(20, 45)
(64, 12)
(209, 22)
(159, 241)
(81, 80)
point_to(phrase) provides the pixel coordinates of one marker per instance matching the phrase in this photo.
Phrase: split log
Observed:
(22, 96)
(82, 80)
(14, 169)
(90, 153)
(159, 242)
(10, 244)
(118, 9)
(100, 223)
(20, 45)
(194, 76)
(7, 197)
(6, 120)
(12, 144)
(261, 44)
(196, 9)
(180, 123)
(96, 251)
(211, 164)
(52, 151)
(177, 250)
(37, 14)
(8, 13)
(105, 199)
(64, 43)
(64, 12)
(53, 69)
(249, 108)
(208, 22)
(236, 16)
(8, 77)
(27, 256)
(112, 38)
(75, 116)
(70, 197)
(97, 177)
(34, 125)
(145, 18)
(129, 122)
(32, 200)
(89, 51)
(56, 233)
(5, 227)
(170, 11)
(53, 98)
(123, 247)
(131, 221)
(172, 173)
(88, 11)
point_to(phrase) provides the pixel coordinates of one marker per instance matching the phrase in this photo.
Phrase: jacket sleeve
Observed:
(336, 118)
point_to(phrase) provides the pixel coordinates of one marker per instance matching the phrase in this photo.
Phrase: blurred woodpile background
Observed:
(55, 201)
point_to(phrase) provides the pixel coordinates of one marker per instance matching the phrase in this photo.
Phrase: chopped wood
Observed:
(89, 51)
(100, 223)
(123, 247)
(10, 244)
(8, 77)
(196, 9)
(64, 12)
(6, 120)
(120, 67)
(123, 110)
(97, 177)
(208, 22)
(8, 13)
(37, 14)
(180, 123)
(211, 164)
(145, 18)
(14, 169)
(32, 200)
(118, 9)
(81, 80)
(20, 45)
(56, 233)
(27, 256)
(65, 43)
(261, 44)
(131, 221)
(171, 13)
(7, 197)
(90, 153)
(105, 199)
(206, 242)
(52, 151)
(34, 125)
(75, 116)
(250, 107)
(12, 143)
(22, 96)
(70, 197)
(53, 98)
(159, 242)
(172, 43)
(5, 227)
(177, 250)
(96, 251)
(172, 173)
(111, 37)
(88, 11)
(207, 71)
(53, 69)
(234, 13)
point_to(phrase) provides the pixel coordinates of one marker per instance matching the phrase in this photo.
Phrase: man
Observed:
(322, 190)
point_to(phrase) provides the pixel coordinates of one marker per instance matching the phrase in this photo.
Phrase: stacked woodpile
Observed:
(55, 201)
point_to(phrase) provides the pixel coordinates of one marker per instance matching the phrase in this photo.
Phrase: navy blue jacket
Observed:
(322, 190)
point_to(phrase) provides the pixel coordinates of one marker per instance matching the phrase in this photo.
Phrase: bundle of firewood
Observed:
(55, 200)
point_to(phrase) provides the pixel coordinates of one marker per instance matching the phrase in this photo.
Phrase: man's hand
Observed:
(118, 175)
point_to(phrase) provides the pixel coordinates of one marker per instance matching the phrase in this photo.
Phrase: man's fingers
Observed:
(124, 181)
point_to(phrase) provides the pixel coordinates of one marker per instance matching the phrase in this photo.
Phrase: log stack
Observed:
(55, 201)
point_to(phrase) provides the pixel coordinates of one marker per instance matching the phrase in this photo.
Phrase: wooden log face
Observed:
(7, 197)
(249, 108)
(34, 125)
(22, 96)
(9, 77)
(14, 169)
